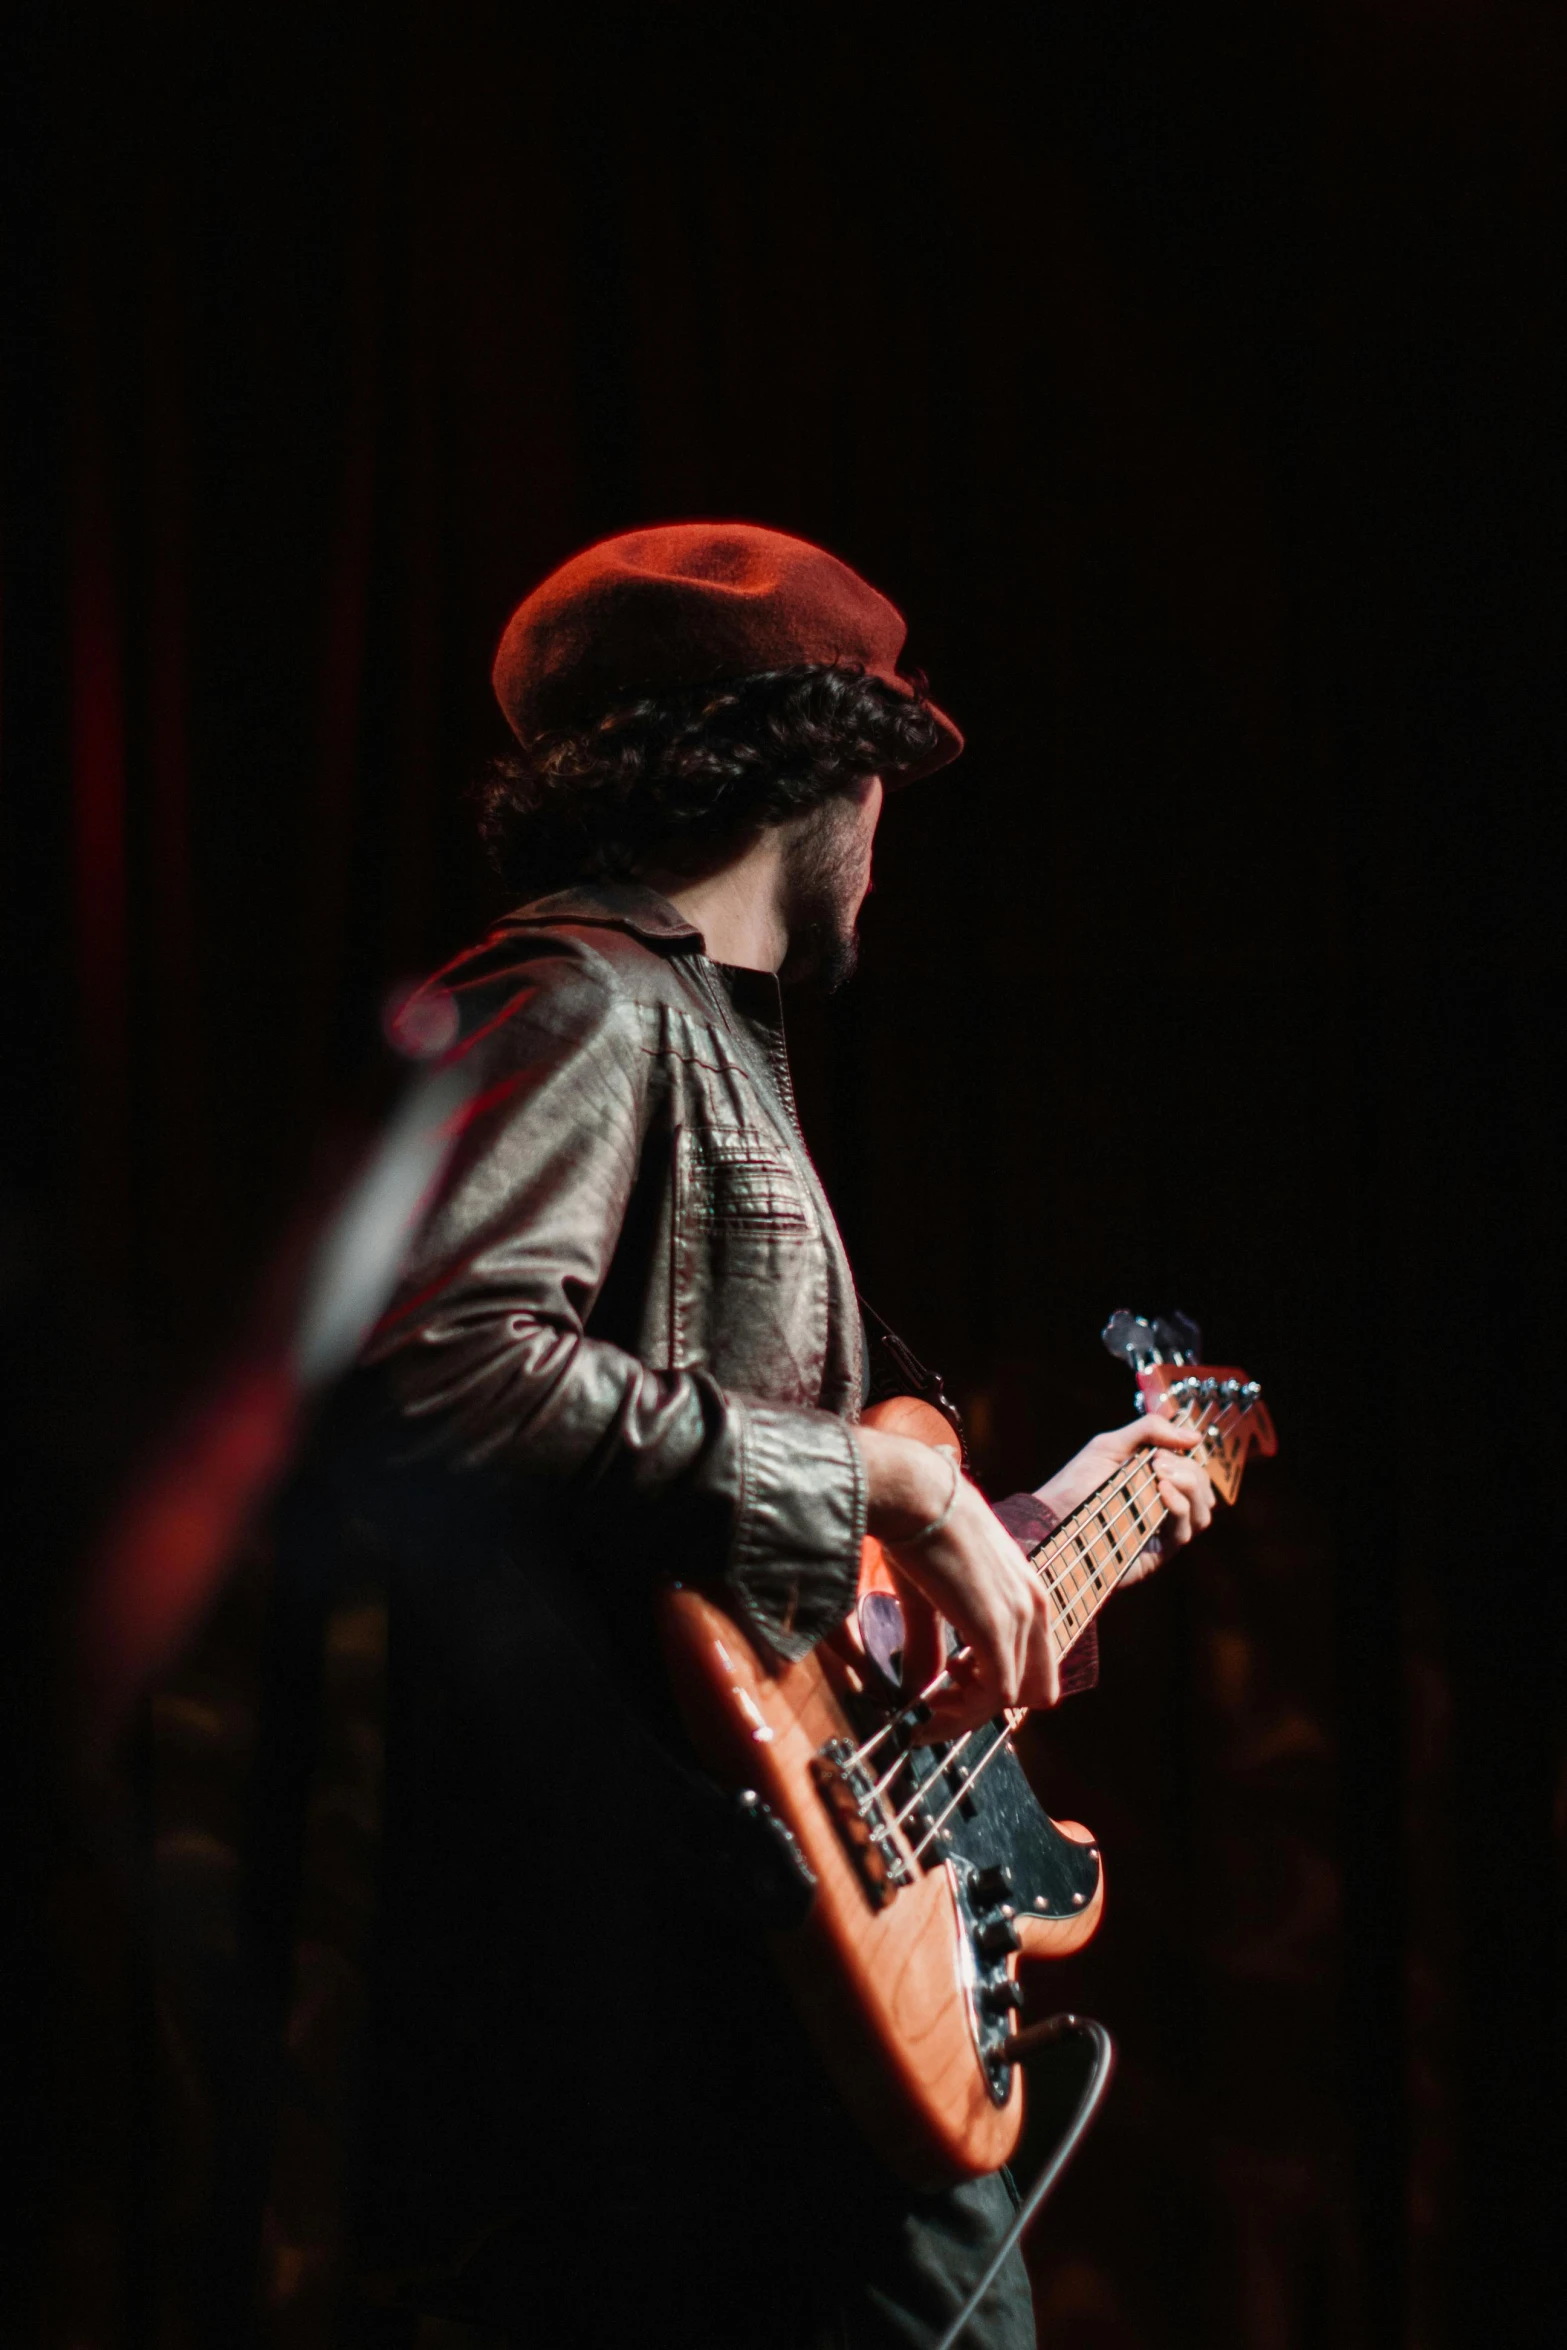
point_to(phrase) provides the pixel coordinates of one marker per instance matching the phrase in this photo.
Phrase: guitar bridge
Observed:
(859, 1813)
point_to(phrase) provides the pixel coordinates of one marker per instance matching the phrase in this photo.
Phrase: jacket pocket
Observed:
(728, 1179)
(749, 1292)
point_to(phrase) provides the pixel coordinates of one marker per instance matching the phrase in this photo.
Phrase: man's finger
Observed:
(1156, 1429)
(1119, 1444)
(924, 1635)
(970, 1698)
(1044, 1669)
(1179, 1506)
(1194, 1485)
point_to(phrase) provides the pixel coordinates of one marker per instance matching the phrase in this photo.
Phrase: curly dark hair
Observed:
(683, 778)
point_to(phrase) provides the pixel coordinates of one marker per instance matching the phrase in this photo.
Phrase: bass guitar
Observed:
(926, 1873)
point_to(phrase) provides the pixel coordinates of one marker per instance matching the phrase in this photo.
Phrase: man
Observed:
(627, 1344)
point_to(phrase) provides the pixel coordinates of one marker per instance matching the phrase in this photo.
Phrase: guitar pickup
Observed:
(858, 1810)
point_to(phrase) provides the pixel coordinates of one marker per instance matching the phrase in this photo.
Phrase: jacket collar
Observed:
(631, 905)
(618, 905)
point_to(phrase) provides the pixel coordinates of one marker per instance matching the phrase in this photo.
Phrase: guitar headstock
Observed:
(1219, 1400)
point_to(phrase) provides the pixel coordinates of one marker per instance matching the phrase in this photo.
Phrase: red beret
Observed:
(690, 604)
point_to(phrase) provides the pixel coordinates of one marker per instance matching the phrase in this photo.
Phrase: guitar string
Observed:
(1133, 1470)
(917, 1851)
(1207, 1424)
(1079, 1565)
(1016, 1716)
(955, 1747)
(1204, 1427)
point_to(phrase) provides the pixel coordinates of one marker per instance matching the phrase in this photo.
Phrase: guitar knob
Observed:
(998, 1935)
(1003, 1998)
(991, 1885)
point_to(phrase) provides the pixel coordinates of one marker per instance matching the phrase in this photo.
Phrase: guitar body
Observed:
(916, 1878)
(904, 1966)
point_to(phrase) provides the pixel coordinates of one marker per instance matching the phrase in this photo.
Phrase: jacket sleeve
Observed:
(1030, 1522)
(490, 1364)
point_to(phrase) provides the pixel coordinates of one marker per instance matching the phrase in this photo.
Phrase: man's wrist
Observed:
(907, 1484)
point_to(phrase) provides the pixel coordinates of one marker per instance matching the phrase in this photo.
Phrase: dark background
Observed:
(1193, 378)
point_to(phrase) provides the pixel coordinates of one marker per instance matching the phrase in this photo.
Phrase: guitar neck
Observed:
(1085, 1558)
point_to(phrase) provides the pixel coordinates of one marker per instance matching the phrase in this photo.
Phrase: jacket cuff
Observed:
(794, 1565)
(1027, 1519)
(1030, 1522)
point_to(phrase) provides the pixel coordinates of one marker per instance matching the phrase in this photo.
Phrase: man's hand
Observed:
(972, 1573)
(1183, 1485)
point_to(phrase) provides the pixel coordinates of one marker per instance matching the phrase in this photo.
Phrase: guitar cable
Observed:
(1058, 2027)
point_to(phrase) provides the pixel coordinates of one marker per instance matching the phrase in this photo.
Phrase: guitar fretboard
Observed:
(1086, 1556)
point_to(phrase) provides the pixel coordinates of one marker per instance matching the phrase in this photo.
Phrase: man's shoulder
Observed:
(567, 963)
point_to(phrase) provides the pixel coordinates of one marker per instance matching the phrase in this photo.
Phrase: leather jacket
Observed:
(631, 1288)
(628, 1323)
(626, 1341)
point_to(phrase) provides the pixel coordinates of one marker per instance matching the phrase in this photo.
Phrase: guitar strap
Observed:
(892, 1368)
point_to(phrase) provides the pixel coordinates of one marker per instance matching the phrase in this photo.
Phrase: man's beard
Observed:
(821, 889)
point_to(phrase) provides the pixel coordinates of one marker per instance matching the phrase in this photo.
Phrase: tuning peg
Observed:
(1180, 1337)
(1130, 1340)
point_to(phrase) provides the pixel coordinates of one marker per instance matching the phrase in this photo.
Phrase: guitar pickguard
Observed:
(998, 1823)
(1004, 1826)
(1005, 1858)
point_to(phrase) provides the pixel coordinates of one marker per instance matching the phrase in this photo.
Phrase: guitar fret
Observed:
(1083, 1561)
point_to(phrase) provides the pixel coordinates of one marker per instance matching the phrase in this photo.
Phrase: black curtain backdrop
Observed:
(1193, 378)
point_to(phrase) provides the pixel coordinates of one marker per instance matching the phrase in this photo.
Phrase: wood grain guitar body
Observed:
(928, 1891)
